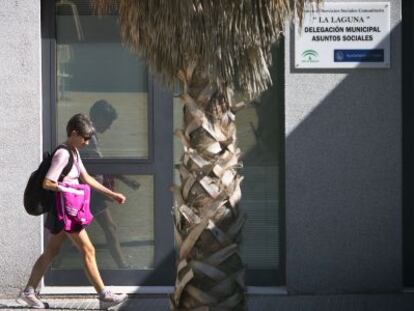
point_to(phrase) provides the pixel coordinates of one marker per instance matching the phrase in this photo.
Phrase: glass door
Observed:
(89, 71)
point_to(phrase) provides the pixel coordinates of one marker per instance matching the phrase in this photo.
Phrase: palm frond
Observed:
(229, 39)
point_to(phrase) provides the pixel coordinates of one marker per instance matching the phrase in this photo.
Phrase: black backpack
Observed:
(38, 200)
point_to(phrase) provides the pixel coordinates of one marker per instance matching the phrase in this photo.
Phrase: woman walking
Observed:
(79, 131)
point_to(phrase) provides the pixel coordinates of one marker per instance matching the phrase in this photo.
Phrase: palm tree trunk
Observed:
(207, 219)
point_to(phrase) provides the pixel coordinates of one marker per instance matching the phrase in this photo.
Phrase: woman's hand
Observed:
(119, 197)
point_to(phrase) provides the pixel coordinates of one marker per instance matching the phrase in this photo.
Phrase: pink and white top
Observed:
(59, 161)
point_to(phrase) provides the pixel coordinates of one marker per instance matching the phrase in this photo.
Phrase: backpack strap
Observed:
(68, 166)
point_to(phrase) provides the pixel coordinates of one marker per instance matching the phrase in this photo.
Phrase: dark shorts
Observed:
(98, 204)
(55, 226)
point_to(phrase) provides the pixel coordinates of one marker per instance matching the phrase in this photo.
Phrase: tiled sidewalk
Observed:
(354, 302)
(138, 304)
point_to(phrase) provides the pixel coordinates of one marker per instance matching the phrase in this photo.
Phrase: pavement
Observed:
(287, 302)
(148, 303)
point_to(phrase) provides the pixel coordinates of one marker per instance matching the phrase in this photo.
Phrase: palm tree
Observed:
(213, 47)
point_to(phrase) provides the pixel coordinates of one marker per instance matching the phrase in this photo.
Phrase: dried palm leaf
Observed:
(229, 39)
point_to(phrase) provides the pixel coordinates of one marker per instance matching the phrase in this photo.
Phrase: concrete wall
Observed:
(343, 176)
(20, 138)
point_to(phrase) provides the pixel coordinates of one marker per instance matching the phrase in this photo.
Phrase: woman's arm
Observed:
(50, 185)
(88, 179)
(59, 161)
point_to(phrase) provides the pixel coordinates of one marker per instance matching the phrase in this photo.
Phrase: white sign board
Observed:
(344, 35)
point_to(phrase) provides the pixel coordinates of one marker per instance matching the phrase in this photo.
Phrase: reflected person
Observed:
(102, 115)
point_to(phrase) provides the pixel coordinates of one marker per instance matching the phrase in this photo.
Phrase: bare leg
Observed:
(43, 262)
(84, 244)
(108, 226)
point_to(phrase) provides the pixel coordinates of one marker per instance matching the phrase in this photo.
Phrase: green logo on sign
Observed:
(310, 55)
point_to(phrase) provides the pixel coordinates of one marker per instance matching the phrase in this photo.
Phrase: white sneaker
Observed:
(108, 300)
(28, 298)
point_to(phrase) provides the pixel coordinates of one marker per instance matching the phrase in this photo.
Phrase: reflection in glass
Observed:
(123, 235)
(261, 133)
(94, 67)
(258, 133)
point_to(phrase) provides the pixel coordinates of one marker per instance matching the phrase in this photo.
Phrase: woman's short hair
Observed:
(81, 124)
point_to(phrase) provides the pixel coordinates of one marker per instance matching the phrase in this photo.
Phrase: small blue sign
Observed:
(375, 56)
